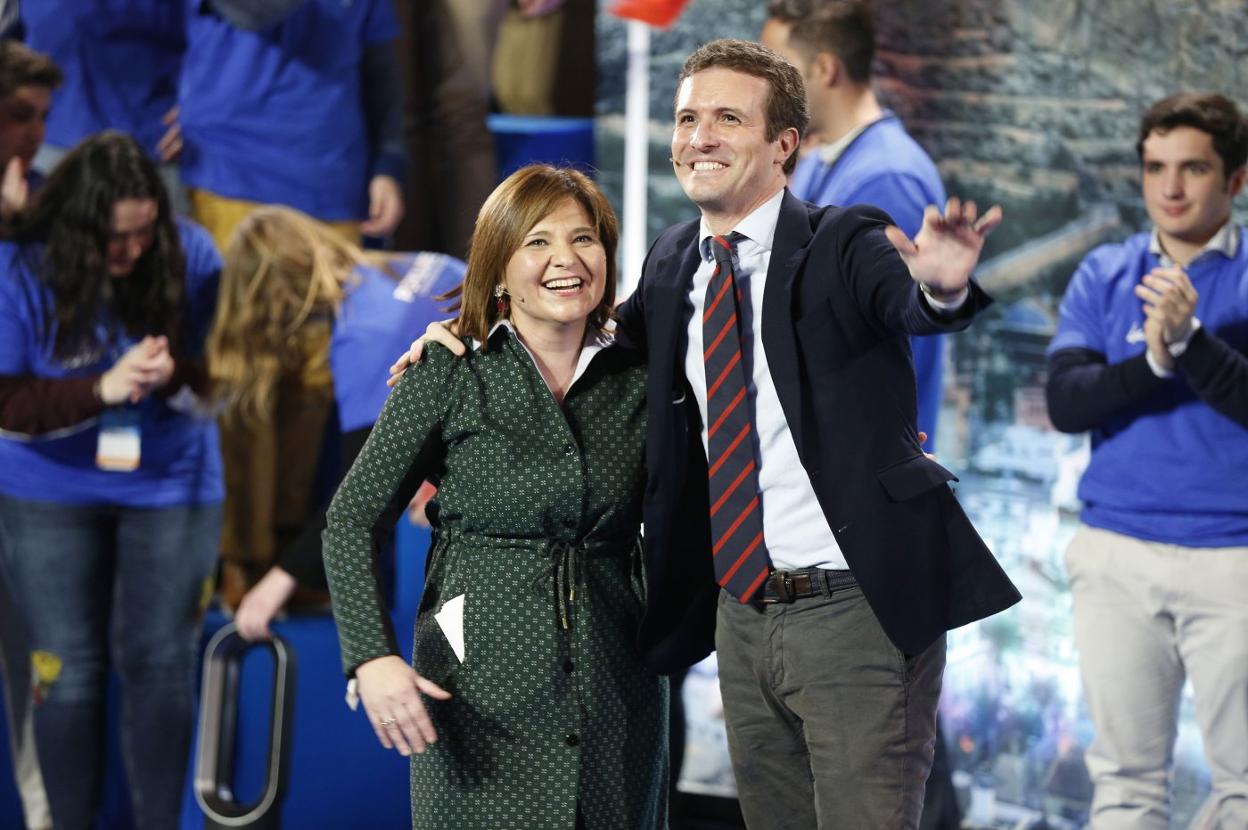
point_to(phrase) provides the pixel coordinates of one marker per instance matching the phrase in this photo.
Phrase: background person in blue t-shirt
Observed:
(857, 151)
(293, 102)
(121, 61)
(307, 326)
(1149, 355)
(27, 80)
(109, 492)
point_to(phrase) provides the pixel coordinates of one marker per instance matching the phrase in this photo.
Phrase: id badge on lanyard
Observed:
(120, 440)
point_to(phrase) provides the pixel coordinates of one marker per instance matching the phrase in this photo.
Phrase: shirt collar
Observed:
(594, 338)
(829, 153)
(1224, 242)
(595, 341)
(758, 227)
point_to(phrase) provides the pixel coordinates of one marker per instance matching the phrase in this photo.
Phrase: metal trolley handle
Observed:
(218, 724)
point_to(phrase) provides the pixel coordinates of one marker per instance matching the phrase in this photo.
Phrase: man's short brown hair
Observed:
(1208, 112)
(22, 66)
(786, 97)
(789, 11)
(844, 28)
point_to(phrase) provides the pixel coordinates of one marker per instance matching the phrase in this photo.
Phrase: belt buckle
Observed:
(782, 581)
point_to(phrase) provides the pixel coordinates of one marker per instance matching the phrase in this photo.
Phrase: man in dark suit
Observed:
(778, 343)
(843, 554)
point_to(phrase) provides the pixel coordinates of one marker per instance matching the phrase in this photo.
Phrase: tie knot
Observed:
(723, 247)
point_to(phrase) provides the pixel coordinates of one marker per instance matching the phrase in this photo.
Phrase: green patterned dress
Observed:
(536, 527)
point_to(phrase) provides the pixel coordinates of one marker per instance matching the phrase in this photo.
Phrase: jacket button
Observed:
(568, 449)
(572, 740)
(568, 667)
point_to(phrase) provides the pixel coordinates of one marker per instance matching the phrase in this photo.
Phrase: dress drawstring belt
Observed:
(562, 572)
(565, 571)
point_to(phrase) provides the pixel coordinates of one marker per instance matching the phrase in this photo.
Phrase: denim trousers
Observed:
(15, 673)
(108, 587)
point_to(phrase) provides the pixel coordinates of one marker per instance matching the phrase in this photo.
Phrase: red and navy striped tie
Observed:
(741, 560)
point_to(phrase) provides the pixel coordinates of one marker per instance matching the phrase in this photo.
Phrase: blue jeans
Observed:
(105, 586)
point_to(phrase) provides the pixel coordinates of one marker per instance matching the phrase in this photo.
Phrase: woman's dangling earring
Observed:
(500, 301)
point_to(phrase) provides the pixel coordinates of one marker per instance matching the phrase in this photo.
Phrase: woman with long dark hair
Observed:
(110, 480)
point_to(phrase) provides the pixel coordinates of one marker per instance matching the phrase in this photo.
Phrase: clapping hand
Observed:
(1170, 299)
(146, 366)
(1169, 308)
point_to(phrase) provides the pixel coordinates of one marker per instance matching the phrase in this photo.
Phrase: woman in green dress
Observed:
(527, 705)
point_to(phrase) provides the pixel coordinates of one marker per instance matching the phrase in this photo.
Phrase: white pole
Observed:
(636, 157)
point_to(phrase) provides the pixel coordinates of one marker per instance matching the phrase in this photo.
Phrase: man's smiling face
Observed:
(723, 160)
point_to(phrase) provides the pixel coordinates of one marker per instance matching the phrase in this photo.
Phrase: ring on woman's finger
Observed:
(388, 721)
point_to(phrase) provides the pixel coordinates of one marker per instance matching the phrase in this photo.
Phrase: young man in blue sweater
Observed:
(1149, 356)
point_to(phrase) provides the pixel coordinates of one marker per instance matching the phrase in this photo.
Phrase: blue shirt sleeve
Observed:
(1081, 315)
(901, 197)
(16, 327)
(203, 278)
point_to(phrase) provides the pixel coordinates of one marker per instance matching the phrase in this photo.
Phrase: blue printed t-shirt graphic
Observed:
(180, 461)
(1169, 469)
(885, 168)
(277, 115)
(740, 555)
(380, 317)
(121, 60)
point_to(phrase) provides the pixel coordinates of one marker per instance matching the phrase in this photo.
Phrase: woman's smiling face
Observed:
(557, 276)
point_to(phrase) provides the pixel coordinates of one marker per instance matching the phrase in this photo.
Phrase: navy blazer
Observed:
(838, 307)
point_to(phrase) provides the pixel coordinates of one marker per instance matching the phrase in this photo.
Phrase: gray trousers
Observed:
(1147, 616)
(829, 725)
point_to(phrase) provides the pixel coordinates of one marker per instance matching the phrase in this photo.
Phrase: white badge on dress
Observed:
(120, 440)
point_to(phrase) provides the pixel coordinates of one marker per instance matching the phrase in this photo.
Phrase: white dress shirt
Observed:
(796, 533)
(794, 528)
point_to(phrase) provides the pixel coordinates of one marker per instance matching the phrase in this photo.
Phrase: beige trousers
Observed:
(1148, 616)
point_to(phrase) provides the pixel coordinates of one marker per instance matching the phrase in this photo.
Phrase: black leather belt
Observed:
(788, 586)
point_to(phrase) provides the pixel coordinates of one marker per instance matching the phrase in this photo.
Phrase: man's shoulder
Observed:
(833, 221)
(888, 150)
(673, 235)
(673, 239)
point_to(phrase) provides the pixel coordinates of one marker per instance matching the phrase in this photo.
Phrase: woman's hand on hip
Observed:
(391, 691)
